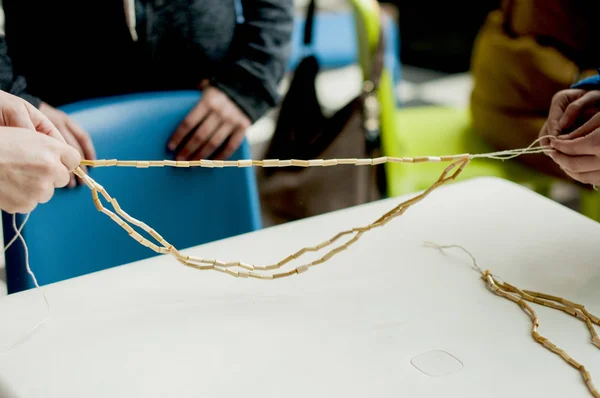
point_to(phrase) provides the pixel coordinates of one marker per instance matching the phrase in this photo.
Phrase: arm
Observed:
(245, 87)
(10, 83)
(259, 63)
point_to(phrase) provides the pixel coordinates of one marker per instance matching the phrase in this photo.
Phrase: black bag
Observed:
(303, 132)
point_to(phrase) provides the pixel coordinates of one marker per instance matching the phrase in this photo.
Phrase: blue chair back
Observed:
(68, 237)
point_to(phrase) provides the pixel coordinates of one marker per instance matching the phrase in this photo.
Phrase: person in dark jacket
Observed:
(58, 52)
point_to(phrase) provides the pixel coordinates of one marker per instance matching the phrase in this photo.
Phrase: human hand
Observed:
(570, 109)
(578, 151)
(73, 134)
(215, 124)
(16, 112)
(31, 166)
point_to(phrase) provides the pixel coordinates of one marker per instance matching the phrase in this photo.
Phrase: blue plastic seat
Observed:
(335, 44)
(68, 237)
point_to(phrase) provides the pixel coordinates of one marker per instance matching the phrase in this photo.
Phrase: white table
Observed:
(351, 327)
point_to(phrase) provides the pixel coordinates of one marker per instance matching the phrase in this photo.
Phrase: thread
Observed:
(513, 153)
(34, 279)
(441, 248)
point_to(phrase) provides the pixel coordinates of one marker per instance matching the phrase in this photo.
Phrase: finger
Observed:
(544, 133)
(17, 116)
(200, 136)
(190, 123)
(62, 177)
(72, 142)
(21, 203)
(46, 193)
(25, 207)
(42, 124)
(575, 108)
(586, 145)
(70, 158)
(83, 138)
(557, 108)
(591, 177)
(576, 164)
(75, 145)
(592, 124)
(215, 141)
(234, 142)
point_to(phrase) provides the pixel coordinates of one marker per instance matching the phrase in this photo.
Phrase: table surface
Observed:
(359, 325)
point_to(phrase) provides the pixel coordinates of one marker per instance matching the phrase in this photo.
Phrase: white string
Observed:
(13, 240)
(441, 248)
(513, 153)
(35, 282)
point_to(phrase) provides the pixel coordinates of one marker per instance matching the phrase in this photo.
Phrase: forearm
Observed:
(260, 60)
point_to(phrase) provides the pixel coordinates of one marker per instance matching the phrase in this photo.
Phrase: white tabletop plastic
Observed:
(358, 326)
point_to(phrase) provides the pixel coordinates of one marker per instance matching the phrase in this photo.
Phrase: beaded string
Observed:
(518, 296)
(241, 269)
(244, 270)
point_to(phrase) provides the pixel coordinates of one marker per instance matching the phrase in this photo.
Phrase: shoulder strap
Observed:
(309, 22)
(378, 57)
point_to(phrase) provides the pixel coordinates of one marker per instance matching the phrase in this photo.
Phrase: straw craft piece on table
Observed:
(520, 297)
(240, 269)
(267, 272)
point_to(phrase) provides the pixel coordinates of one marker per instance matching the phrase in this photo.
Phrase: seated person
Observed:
(526, 52)
(235, 50)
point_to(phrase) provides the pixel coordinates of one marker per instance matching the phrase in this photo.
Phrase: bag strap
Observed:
(309, 23)
(378, 59)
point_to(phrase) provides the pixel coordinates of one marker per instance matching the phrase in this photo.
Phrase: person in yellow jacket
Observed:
(526, 52)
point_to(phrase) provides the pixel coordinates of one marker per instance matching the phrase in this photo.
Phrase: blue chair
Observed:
(68, 237)
(335, 44)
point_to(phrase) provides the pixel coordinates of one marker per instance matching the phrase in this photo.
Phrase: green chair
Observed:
(437, 131)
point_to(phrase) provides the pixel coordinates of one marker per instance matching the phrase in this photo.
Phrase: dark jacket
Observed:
(69, 50)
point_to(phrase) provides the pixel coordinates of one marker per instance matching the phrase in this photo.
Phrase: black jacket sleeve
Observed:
(10, 83)
(260, 55)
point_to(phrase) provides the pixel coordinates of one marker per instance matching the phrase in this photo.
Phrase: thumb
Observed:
(70, 157)
(42, 124)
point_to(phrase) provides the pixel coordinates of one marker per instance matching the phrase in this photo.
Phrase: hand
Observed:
(569, 110)
(578, 152)
(73, 135)
(31, 166)
(214, 121)
(16, 112)
(579, 157)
